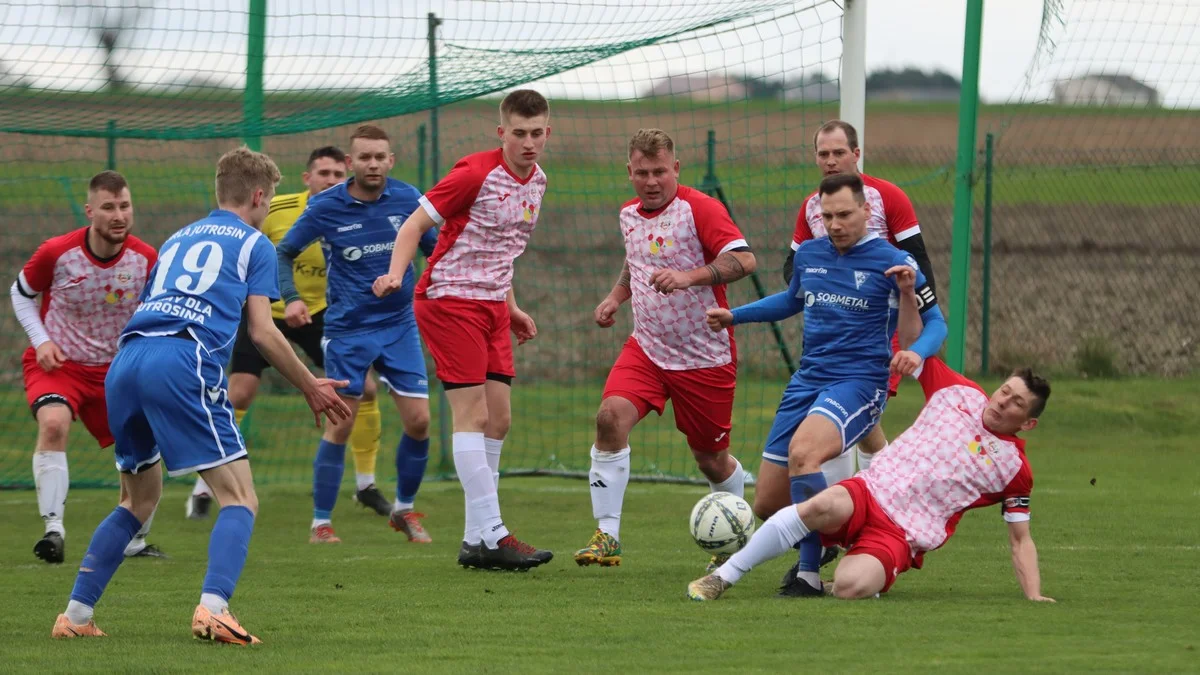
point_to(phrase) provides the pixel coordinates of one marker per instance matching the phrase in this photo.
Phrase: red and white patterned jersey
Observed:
(486, 215)
(687, 233)
(948, 462)
(892, 214)
(86, 301)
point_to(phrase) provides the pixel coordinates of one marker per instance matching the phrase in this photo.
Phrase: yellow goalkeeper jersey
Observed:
(309, 268)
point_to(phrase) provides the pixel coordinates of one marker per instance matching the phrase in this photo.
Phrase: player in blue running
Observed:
(358, 221)
(168, 397)
(846, 285)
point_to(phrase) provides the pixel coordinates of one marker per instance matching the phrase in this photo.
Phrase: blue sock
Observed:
(804, 488)
(411, 457)
(227, 548)
(104, 554)
(327, 477)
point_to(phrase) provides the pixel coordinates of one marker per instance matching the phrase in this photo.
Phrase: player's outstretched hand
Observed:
(522, 326)
(49, 356)
(606, 311)
(905, 363)
(905, 276)
(386, 285)
(668, 281)
(296, 314)
(1042, 598)
(719, 318)
(323, 399)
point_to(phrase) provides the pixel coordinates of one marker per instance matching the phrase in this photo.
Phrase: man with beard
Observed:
(89, 281)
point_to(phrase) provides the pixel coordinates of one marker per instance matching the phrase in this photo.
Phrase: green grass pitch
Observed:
(1120, 554)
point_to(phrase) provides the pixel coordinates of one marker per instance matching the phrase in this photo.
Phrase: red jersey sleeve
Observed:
(1015, 506)
(934, 374)
(455, 193)
(803, 232)
(716, 230)
(38, 272)
(898, 211)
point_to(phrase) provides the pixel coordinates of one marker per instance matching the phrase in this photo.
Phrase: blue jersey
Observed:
(200, 282)
(358, 240)
(850, 308)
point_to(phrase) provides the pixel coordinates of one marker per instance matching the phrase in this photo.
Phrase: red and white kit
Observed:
(892, 217)
(911, 498)
(486, 215)
(86, 302)
(672, 353)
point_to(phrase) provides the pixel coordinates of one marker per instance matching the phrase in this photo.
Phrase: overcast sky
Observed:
(371, 43)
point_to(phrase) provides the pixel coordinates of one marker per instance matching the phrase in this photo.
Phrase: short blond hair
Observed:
(650, 142)
(242, 171)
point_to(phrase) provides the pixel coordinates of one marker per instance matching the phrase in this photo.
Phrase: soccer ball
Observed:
(721, 522)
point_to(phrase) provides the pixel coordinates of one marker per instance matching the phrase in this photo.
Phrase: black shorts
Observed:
(246, 358)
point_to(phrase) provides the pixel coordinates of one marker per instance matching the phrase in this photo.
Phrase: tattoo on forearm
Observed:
(623, 280)
(724, 269)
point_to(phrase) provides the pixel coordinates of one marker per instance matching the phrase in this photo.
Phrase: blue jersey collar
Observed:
(347, 198)
(227, 215)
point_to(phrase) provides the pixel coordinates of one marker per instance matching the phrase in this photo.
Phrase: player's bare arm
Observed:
(909, 323)
(296, 314)
(318, 392)
(522, 324)
(620, 293)
(1025, 561)
(408, 237)
(726, 268)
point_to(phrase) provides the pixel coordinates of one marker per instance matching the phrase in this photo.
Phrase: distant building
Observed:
(1101, 89)
(701, 87)
(914, 94)
(812, 92)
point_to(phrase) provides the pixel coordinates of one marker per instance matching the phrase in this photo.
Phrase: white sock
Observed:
(608, 479)
(865, 458)
(838, 469)
(479, 488)
(138, 542)
(200, 488)
(493, 446)
(320, 521)
(772, 539)
(78, 613)
(51, 478)
(364, 480)
(215, 603)
(398, 505)
(735, 484)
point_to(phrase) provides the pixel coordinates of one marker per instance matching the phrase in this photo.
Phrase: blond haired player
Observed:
(302, 321)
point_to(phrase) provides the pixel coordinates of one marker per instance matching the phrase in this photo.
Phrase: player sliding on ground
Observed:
(681, 248)
(89, 281)
(846, 285)
(961, 453)
(169, 400)
(357, 221)
(487, 207)
(302, 320)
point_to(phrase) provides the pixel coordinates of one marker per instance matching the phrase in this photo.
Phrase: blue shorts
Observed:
(394, 351)
(853, 405)
(168, 398)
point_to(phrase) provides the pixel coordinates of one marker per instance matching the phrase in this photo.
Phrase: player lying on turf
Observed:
(487, 207)
(962, 453)
(681, 248)
(357, 222)
(89, 281)
(169, 400)
(846, 285)
(302, 321)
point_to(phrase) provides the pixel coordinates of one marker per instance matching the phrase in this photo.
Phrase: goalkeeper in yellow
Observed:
(303, 324)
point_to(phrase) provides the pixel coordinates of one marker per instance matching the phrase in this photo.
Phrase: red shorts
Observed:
(894, 378)
(80, 387)
(702, 398)
(468, 339)
(871, 532)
